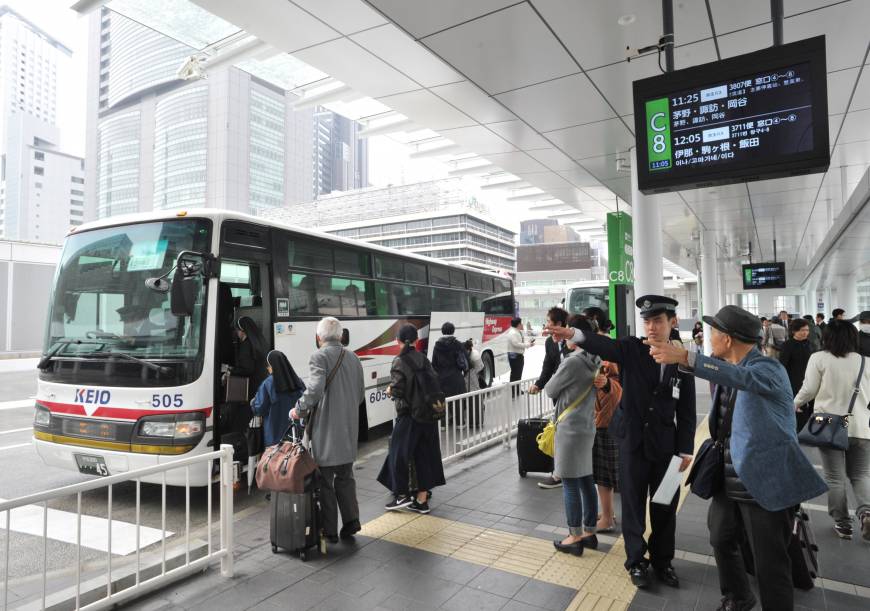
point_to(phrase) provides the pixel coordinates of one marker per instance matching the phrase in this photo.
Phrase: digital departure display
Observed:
(746, 118)
(764, 276)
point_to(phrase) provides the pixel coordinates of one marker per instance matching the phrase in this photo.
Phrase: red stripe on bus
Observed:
(120, 413)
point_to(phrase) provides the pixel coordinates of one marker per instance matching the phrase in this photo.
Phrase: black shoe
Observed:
(571, 548)
(419, 507)
(668, 576)
(843, 529)
(331, 538)
(590, 542)
(639, 576)
(349, 530)
(398, 503)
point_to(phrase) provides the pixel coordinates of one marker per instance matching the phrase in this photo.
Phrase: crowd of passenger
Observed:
(624, 409)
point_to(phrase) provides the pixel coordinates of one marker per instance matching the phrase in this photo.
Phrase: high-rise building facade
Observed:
(41, 188)
(436, 219)
(229, 141)
(341, 157)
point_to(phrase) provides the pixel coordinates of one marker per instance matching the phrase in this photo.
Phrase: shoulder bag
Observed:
(547, 438)
(708, 469)
(283, 467)
(831, 430)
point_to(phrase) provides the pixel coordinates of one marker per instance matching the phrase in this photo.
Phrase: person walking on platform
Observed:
(766, 474)
(331, 401)
(795, 355)
(655, 421)
(831, 380)
(773, 337)
(571, 387)
(815, 337)
(554, 352)
(414, 442)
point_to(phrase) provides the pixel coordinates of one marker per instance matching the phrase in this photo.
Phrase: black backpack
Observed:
(428, 403)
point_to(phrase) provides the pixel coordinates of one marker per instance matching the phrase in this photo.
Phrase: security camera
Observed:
(191, 70)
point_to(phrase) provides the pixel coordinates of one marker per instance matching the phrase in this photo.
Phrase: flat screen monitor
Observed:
(752, 117)
(763, 276)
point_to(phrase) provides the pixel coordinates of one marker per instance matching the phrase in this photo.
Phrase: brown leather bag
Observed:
(284, 467)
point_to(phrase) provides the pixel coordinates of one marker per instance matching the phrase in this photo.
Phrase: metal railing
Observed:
(114, 593)
(483, 418)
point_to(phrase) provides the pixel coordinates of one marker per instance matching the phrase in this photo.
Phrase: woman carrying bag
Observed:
(840, 392)
(571, 387)
(276, 397)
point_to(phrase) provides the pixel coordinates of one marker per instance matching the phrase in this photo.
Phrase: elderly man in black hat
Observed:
(765, 472)
(655, 421)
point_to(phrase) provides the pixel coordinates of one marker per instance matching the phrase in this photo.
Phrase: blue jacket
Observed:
(275, 408)
(764, 445)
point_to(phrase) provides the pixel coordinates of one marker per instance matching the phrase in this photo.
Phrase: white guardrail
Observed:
(483, 418)
(115, 594)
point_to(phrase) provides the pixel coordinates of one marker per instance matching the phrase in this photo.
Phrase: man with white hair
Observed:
(331, 403)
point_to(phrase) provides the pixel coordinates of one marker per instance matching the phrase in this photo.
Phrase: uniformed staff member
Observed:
(655, 421)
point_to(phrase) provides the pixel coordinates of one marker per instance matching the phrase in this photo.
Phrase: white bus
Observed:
(141, 326)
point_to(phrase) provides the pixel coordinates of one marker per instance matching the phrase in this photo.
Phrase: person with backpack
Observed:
(451, 364)
(420, 403)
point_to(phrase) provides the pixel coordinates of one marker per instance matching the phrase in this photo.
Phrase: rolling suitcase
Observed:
(803, 550)
(295, 520)
(529, 457)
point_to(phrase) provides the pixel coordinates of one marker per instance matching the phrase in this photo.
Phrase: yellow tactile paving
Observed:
(600, 579)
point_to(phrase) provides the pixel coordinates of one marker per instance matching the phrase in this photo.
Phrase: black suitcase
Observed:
(529, 457)
(295, 521)
(803, 552)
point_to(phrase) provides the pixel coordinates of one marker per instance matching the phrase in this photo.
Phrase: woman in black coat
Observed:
(250, 354)
(794, 356)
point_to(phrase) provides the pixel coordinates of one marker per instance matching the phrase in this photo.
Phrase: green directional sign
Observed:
(658, 135)
(620, 257)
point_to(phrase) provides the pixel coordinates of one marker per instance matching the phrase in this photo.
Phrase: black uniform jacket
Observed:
(552, 360)
(648, 418)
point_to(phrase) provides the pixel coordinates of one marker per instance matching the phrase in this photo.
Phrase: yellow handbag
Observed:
(547, 438)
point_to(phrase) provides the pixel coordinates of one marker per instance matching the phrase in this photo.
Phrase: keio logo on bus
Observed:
(93, 396)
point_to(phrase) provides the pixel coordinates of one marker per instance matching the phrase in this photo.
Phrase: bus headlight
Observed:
(42, 417)
(175, 426)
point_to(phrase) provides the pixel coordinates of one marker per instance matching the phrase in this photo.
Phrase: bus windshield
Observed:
(580, 298)
(101, 305)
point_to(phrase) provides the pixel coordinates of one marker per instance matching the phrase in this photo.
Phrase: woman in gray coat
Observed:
(571, 389)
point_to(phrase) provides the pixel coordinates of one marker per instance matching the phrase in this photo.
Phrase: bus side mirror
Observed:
(182, 298)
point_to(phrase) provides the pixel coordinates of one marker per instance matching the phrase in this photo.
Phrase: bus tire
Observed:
(363, 423)
(488, 368)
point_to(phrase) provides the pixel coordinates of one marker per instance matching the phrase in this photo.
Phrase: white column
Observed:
(647, 229)
(847, 295)
(709, 283)
(721, 278)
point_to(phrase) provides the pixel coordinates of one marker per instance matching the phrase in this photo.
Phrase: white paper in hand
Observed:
(670, 483)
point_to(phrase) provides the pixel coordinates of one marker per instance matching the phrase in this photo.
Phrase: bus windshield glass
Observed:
(101, 304)
(580, 298)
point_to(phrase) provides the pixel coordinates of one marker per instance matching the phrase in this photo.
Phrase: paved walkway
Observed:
(486, 545)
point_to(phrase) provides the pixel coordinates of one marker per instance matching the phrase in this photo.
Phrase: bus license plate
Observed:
(92, 465)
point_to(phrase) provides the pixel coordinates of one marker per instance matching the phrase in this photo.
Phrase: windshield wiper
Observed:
(61, 344)
(160, 369)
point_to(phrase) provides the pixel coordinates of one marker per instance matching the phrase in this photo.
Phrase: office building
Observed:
(41, 187)
(230, 141)
(532, 231)
(437, 219)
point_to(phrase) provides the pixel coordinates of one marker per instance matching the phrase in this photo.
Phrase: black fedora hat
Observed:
(737, 323)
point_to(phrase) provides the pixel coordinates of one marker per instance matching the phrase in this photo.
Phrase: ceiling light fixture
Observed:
(627, 19)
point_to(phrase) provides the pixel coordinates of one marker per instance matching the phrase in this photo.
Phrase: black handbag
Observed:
(707, 475)
(831, 430)
(708, 470)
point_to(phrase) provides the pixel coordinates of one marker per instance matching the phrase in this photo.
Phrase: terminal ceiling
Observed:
(541, 91)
